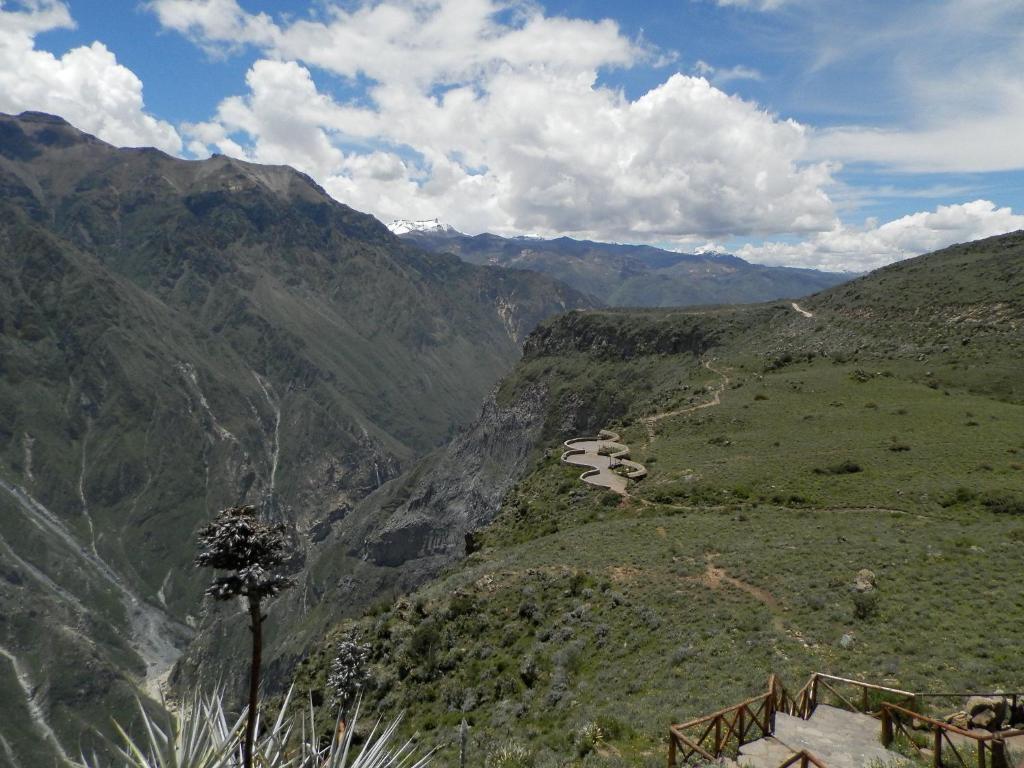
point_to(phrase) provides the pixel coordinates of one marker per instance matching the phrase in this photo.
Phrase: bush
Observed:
(959, 496)
(865, 605)
(843, 468)
(588, 737)
(508, 755)
(1004, 503)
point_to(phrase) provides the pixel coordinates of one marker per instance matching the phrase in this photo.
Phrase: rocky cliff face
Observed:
(176, 337)
(392, 541)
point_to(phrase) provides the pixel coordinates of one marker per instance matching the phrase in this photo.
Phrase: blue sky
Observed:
(807, 132)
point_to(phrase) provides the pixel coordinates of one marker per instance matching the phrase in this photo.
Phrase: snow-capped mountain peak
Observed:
(405, 226)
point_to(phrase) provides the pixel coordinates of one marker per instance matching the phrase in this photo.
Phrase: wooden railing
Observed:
(725, 731)
(804, 759)
(990, 747)
(866, 698)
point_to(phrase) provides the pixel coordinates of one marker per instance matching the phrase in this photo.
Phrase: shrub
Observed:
(587, 737)
(865, 605)
(1004, 503)
(843, 468)
(961, 495)
(508, 755)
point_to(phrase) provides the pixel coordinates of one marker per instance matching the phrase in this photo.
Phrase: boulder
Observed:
(960, 719)
(865, 581)
(986, 712)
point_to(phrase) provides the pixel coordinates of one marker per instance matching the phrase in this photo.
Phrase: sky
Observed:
(815, 133)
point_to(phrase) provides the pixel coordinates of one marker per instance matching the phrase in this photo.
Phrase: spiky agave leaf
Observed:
(377, 751)
(200, 737)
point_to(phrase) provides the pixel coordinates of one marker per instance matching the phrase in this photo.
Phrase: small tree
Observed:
(348, 675)
(237, 541)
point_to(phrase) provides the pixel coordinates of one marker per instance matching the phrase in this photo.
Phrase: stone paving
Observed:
(840, 739)
(601, 455)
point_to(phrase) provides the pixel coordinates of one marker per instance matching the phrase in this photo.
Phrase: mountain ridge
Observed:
(180, 336)
(633, 275)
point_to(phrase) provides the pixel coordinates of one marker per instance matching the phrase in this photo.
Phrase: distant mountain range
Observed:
(180, 336)
(626, 275)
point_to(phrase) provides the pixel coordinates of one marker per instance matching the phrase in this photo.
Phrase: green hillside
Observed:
(885, 432)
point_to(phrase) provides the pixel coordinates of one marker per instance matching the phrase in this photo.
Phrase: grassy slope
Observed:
(580, 609)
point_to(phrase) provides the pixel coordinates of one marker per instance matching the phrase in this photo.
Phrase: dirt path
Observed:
(715, 576)
(651, 421)
(801, 310)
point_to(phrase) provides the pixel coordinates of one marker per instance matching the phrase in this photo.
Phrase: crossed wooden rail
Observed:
(895, 718)
(726, 731)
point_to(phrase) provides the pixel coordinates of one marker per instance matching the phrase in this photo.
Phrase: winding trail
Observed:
(650, 422)
(605, 453)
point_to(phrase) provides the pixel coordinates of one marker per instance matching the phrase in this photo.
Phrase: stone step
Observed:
(838, 738)
(764, 753)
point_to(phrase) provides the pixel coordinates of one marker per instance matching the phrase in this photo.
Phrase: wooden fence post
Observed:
(887, 735)
(937, 754)
(671, 749)
(998, 751)
(718, 737)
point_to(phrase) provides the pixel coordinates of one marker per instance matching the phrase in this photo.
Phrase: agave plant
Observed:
(203, 736)
(376, 752)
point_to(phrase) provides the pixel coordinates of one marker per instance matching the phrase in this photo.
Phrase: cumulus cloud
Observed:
(861, 249)
(491, 115)
(86, 85)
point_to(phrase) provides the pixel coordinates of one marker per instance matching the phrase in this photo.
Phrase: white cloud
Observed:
(720, 76)
(757, 5)
(945, 74)
(207, 20)
(489, 114)
(860, 249)
(86, 85)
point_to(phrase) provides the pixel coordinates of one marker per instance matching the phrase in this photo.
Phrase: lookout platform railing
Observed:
(723, 733)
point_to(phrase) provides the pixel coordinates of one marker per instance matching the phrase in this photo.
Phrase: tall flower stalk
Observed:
(250, 550)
